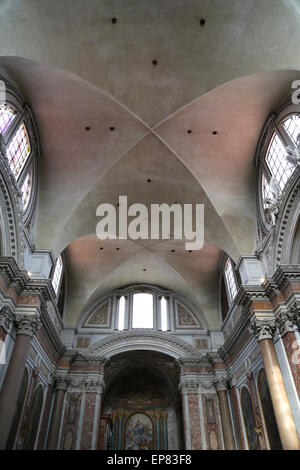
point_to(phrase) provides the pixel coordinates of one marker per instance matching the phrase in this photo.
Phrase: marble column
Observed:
(26, 326)
(61, 384)
(191, 416)
(221, 387)
(264, 331)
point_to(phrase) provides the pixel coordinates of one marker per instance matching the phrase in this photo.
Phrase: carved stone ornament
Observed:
(221, 384)
(262, 329)
(295, 314)
(61, 382)
(188, 385)
(27, 324)
(285, 322)
(6, 317)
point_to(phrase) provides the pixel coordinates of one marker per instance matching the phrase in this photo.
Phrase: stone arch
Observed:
(143, 340)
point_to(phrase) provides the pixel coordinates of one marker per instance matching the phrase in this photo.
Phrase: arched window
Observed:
(18, 132)
(57, 274)
(231, 283)
(121, 313)
(279, 160)
(142, 313)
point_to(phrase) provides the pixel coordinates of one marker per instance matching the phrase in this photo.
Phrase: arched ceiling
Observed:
(77, 69)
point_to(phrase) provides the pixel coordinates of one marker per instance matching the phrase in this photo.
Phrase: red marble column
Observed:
(26, 327)
(292, 349)
(91, 419)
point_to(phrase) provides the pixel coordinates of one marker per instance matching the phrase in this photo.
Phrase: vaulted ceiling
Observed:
(79, 70)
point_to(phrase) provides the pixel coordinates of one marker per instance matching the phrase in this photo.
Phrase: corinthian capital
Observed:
(61, 382)
(262, 328)
(27, 324)
(221, 384)
(188, 385)
(6, 317)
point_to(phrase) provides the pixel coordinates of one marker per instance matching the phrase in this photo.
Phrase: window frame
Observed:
(23, 115)
(273, 124)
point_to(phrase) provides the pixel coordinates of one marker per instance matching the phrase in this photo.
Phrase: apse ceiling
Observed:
(171, 91)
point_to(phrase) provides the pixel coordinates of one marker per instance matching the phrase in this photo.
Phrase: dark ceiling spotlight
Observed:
(101, 248)
(148, 180)
(117, 248)
(190, 251)
(202, 21)
(144, 269)
(114, 20)
(154, 62)
(112, 128)
(215, 132)
(87, 128)
(173, 251)
(189, 131)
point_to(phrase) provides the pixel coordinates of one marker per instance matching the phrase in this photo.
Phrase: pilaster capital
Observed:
(262, 328)
(27, 324)
(94, 385)
(189, 385)
(295, 313)
(285, 322)
(6, 317)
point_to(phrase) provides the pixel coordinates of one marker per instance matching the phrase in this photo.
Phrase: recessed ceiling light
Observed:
(112, 128)
(173, 251)
(154, 62)
(114, 20)
(87, 128)
(148, 180)
(117, 248)
(202, 21)
(144, 269)
(215, 132)
(101, 248)
(189, 131)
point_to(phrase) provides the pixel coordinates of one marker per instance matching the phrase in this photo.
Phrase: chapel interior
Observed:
(144, 343)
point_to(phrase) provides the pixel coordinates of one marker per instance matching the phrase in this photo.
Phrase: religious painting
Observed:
(249, 420)
(270, 420)
(139, 432)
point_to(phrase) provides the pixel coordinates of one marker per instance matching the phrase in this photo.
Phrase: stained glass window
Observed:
(7, 115)
(230, 279)
(142, 315)
(26, 189)
(57, 274)
(18, 150)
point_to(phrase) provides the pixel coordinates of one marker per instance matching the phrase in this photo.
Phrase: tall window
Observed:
(163, 313)
(142, 314)
(57, 274)
(121, 313)
(230, 280)
(26, 189)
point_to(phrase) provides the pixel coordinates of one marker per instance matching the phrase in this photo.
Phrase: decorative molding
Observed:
(262, 328)
(157, 339)
(27, 324)
(6, 318)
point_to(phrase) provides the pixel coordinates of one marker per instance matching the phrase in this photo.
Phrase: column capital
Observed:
(221, 384)
(61, 382)
(285, 322)
(6, 317)
(262, 328)
(27, 324)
